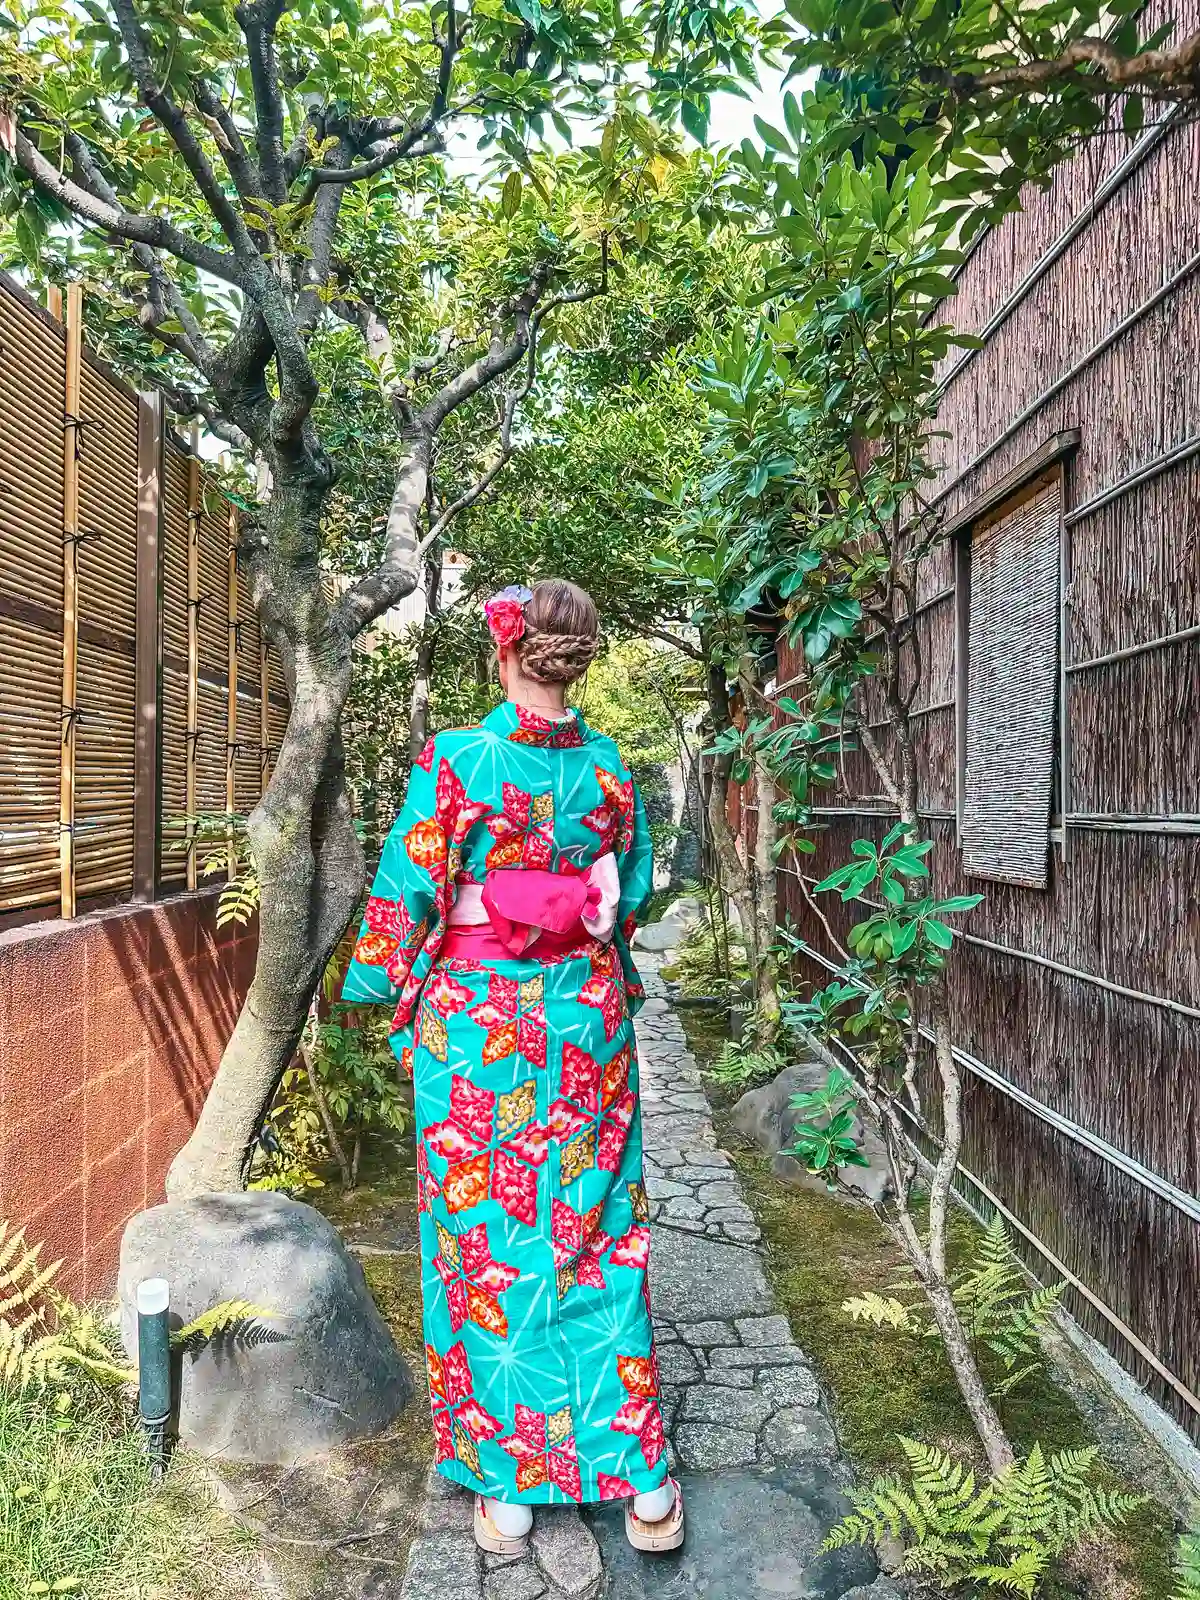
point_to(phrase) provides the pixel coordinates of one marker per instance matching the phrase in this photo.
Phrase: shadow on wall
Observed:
(111, 1029)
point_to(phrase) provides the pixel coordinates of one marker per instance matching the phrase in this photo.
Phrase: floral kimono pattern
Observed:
(534, 1224)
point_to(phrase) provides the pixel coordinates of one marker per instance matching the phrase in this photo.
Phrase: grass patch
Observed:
(820, 1250)
(79, 1515)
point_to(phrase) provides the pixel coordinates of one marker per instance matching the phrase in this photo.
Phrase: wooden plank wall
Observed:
(1102, 1161)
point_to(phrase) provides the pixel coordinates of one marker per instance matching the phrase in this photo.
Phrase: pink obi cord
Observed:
(531, 912)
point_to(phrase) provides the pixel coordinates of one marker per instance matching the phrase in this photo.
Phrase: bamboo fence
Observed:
(1077, 1006)
(139, 690)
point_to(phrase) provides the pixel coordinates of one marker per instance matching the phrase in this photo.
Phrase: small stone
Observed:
(711, 1402)
(677, 1364)
(666, 1189)
(518, 1580)
(442, 1566)
(798, 1434)
(690, 1102)
(724, 1360)
(742, 1232)
(790, 1386)
(707, 1334)
(760, 1331)
(881, 1589)
(703, 1446)
(719, 1194)
(707, 1158)
(702, 1175)
(688, 1224)
(565, 1548)
(731, 1214)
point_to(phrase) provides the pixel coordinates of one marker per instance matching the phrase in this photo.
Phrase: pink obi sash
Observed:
(521, 911)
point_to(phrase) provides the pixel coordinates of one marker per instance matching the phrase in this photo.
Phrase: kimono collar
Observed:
(528, 727)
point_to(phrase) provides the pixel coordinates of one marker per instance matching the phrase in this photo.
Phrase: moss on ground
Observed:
(820, 1249)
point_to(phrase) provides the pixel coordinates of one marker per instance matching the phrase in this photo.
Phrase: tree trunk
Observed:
(765, 888)
(309, 861)
(418, 723)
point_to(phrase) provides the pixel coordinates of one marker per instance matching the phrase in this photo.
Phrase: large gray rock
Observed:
(768, 1117)
(321, 1372)
(660, 936)
(700, 1279)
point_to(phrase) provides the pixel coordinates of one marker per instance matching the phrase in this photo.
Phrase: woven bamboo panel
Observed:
(214, 581)
(30, 707)
(104, 765)
(174, 776)
(210, 748)
(1012, 691)
(248, 768)
(32, 389)
(104, 775)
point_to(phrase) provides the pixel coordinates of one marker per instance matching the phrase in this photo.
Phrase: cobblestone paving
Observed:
(750, 1437)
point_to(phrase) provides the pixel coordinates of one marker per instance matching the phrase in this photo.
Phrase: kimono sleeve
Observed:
(402, 907)
(636, 870)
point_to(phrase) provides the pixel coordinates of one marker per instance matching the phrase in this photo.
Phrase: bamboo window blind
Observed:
(1012, 681)
(76, 573)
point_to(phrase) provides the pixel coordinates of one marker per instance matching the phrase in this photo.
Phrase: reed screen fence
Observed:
(139, 691)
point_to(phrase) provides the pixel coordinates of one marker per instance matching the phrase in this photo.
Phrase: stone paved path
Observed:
(751, 1441)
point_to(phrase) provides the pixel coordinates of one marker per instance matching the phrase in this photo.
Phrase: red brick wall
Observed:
(111, 1028)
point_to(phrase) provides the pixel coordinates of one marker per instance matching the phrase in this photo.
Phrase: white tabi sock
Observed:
(512, 1522)
(655, 1504)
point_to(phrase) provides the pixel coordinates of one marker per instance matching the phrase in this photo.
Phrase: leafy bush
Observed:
(997, 1307)
(741, 1063)
(1005, 1532)
(824, 1141)
(702, 969)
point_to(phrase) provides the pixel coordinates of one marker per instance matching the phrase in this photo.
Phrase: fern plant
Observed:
(46, 1339)
(740, 1062)
(1005, 1532)
(994, 1300)
(1187, 1568)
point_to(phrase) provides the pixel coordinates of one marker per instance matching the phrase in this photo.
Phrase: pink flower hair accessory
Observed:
(505, 613)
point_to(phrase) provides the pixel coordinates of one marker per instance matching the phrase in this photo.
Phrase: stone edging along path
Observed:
(750, 1436)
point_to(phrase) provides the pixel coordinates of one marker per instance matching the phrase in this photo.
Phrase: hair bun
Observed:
(557, 657)
(562, 632)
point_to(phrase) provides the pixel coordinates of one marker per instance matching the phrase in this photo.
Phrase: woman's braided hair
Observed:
(562, 632)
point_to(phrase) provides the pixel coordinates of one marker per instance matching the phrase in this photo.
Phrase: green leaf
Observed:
(1134, 115)
(510, 195)
(938, 933)
(771, 137)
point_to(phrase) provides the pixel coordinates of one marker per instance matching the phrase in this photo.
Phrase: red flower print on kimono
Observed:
(392, 938)
(605, 991)
(428, 1188)
(459, 1421)
(442, 997)
(514, 1015)
(613, 817)
(493, 1145)
(544, 1449)
(614, 1488)
(474, 1279)
(578, 1246)
(555, 734)
(591, 1119)
(435, 843)
(524, 830)
(425, 759)
(640, 1414)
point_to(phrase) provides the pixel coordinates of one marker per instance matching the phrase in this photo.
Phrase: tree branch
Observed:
(1167, 74)
(242, 169)
(258, 22)
(178, 128)
(115, 219)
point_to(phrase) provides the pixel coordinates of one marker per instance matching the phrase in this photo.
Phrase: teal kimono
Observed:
(534, 1224)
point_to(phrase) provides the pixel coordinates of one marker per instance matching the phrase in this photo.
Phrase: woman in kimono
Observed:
(499, 926)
